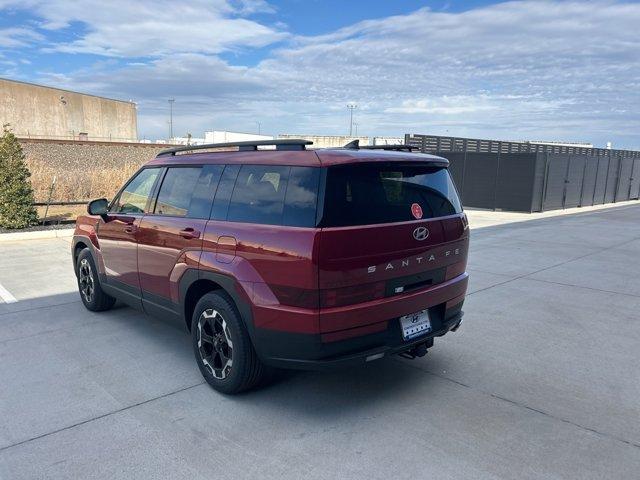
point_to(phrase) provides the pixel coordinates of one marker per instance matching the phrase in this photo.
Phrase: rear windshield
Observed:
(366, 194)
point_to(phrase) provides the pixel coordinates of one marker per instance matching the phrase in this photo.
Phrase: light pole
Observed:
(171, 100)
(259, 126)
(351, 107)
(356, 124)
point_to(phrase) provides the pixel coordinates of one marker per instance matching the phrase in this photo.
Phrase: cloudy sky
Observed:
(539, 70)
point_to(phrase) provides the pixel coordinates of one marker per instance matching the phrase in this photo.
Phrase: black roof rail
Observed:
(283, 144)
(355, 145)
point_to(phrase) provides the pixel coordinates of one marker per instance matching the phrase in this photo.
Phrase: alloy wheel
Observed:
(214, 343)
(85, 279)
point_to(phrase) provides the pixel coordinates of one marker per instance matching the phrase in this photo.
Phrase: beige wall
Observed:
(83, 170)
(44, 112)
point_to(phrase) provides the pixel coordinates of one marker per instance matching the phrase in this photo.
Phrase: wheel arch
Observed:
(79, 244)
(196, 283)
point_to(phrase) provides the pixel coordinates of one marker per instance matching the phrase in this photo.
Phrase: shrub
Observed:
(16, 194)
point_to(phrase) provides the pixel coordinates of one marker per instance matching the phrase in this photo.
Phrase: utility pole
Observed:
(171, 100)
(259, 127)
(351, 107)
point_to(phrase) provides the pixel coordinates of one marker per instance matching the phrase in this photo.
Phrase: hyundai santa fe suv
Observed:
(273, 255)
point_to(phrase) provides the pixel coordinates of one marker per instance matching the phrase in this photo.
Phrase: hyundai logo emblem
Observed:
(421, 233)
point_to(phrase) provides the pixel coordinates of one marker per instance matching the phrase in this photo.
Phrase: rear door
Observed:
(388, 228)
(170, 236)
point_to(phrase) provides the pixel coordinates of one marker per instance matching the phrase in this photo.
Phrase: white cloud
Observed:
(121, 28)
(14, 37)
(446, 105)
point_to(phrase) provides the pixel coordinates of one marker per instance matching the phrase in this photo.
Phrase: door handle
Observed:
(189, 233)
(130, 229)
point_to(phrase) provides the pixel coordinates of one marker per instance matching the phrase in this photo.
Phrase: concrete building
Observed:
(36, 111)
(327, 141)
(388, 141)
(185, 141)
(223, 136)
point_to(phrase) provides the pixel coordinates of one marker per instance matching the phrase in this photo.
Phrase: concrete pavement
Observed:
(541, 381)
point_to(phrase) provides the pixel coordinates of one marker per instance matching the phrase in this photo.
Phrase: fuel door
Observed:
(226, 249)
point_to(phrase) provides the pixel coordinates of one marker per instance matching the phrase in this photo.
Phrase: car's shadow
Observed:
(137, 357)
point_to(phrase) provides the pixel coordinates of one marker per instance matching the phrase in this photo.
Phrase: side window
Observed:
(258, 196)
(223, 195)
(177, 191)
(134, 197)
(302, 197)
(205, 191)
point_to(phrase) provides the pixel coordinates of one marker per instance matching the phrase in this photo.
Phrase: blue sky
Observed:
(539, 70)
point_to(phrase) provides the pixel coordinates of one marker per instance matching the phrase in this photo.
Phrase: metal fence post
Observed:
(464, 170)
(618, 177)
(545, 181)
(46, 210)
(595, 187)
(495, 184)
(584, 170)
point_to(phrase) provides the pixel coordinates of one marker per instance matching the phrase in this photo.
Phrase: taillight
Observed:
(465, 221)
(337, 297)
(331, 297)
(455, 270)
(296, 297)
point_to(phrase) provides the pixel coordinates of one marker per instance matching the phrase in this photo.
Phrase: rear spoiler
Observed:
(427, 157)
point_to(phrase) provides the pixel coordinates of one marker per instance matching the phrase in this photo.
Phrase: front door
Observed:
(170, 236)
(118, 233)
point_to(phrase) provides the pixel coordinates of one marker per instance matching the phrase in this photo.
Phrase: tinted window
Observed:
(366, 194)
(176, 191)
(301, 198)
(133, 199)
(205, 191)
(258, 196)
(223, 195)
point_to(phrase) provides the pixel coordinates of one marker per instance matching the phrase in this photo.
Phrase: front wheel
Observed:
(91, 293)
(223, 349)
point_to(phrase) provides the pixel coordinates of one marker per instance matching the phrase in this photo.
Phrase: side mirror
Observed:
(98, 207)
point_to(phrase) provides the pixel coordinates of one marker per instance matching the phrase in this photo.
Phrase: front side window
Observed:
(258, 195)
(176, 192)
(134, 197)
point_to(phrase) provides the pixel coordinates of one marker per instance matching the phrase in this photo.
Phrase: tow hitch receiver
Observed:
(419, 350)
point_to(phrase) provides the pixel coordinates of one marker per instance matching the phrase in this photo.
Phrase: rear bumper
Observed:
(313, 352)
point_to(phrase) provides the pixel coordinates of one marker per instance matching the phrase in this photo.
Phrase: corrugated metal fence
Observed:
(535, 177)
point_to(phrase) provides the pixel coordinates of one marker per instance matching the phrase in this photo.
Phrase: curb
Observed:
(37, 235)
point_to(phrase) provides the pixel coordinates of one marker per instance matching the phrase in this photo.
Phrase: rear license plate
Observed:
(415, 324)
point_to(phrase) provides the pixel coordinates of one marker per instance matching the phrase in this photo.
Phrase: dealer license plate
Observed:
(415, 324)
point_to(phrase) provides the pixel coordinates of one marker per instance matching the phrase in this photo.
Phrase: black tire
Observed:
(91, 293)
(216, 322)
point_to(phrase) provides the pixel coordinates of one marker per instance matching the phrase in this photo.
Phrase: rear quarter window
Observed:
(275, 195)
(258, 196)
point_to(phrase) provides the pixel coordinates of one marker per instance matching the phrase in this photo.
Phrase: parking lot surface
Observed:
(541, 381)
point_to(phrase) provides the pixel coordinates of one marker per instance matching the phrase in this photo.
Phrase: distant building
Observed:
(327, 141)
(36, 111)
(388, 141)
(186, 141)
(561, 144)
(223, 136)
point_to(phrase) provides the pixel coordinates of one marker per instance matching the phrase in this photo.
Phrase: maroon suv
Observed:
(282, 257)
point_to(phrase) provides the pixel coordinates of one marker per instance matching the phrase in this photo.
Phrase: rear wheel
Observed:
(223, 349)
(91, 293)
